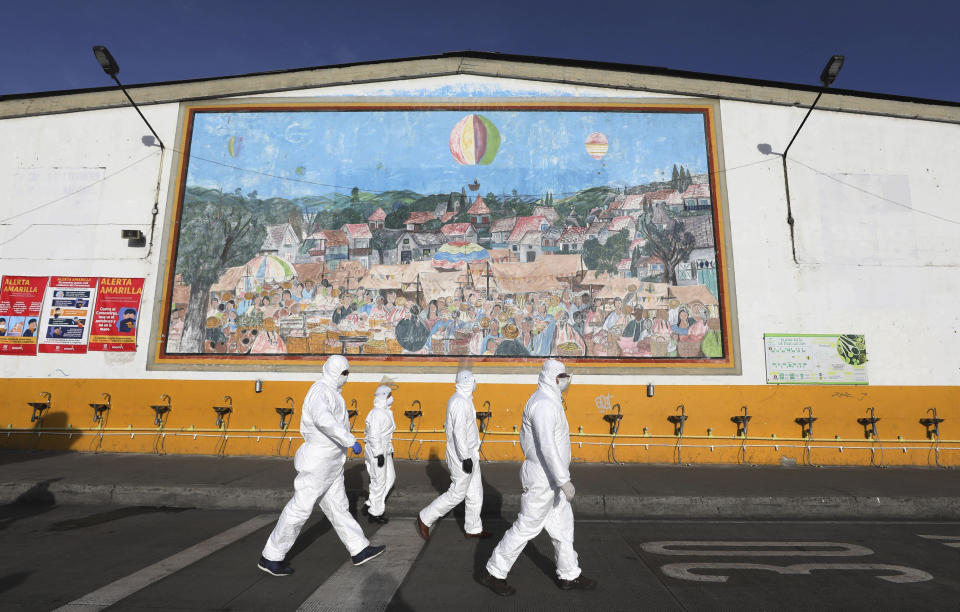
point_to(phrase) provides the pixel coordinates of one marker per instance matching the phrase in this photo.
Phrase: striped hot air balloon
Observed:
(596, 145)
(474, 140)
(233, 145)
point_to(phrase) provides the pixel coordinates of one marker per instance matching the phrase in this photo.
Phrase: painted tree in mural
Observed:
(668, 240)
(218, 230)
(605, 257)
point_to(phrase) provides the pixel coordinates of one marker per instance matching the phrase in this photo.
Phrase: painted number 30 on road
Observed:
(724, 548)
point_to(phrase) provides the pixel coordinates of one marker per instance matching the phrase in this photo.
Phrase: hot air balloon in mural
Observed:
(474, 140)
(233, 145)
(596, 145)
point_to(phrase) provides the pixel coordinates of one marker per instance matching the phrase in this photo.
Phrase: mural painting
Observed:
(426, 232)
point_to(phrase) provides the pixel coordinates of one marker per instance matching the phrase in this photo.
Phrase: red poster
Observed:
(21, 299)
(65, 317)
(117, 315)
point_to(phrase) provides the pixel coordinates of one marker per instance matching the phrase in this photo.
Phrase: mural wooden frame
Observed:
(729, 364)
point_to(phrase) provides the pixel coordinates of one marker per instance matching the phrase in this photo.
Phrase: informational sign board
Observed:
(21, 299)
(65, 317)
(815, 359)
(117, 315)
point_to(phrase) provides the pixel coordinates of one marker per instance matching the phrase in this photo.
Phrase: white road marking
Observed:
(955, 543)
(683, 571)
(693, 548)
(372, 585)
(115, 591)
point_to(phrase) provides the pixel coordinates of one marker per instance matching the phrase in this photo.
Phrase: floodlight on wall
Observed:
(827, 76)
(106, 60)
(830, 71)
(110, 66)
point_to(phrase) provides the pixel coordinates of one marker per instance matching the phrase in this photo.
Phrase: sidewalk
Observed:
(603, 491)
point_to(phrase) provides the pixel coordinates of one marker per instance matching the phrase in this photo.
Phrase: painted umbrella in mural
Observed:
(263, 268)
(474, 140)
(456, 255)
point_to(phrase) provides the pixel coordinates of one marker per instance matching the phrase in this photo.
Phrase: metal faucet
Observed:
(932, 424)
(285, 412)
(614, 419)
(414, 414)
(743, 422)
(869, 425)
(99, 408)
(806, 423)
(484, 416)
(161, 409)
(223, 410)
(678, 420)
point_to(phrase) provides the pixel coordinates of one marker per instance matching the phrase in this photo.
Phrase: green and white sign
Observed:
(815, 359)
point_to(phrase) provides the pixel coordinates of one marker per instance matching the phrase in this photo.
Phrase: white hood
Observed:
(380, 396)
(548, 375)
(332, 368)
(466, 383)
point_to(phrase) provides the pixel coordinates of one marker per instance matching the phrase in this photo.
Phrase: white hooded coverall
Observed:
(378, 434)
(325, 427)
(545, 440)
(463, 442)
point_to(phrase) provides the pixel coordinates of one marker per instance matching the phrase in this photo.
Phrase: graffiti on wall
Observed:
(429, 232)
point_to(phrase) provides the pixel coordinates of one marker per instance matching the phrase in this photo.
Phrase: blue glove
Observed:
(357, 449)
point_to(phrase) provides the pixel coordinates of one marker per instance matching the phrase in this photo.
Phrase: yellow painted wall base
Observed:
(645, 435)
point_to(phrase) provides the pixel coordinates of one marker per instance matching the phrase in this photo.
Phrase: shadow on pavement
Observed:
(12, 580)
(36, 500)
(311, 535)
(439, 476)
(100, 518)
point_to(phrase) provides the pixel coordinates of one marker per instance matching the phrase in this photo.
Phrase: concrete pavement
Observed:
(603, 491)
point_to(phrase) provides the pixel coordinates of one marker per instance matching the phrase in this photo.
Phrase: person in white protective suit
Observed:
(325, 427)
(463, 460)
(378, 434)
(547, 490)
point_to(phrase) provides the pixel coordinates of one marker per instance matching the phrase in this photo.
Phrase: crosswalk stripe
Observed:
(372, 585)
(110, 594)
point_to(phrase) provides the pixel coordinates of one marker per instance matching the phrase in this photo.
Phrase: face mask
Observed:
(389, 401)
(341, 380)
(563, 383)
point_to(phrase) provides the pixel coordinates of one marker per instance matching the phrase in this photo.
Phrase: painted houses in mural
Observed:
(598, 250)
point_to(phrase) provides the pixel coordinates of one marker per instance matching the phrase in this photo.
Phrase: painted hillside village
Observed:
(631, 277)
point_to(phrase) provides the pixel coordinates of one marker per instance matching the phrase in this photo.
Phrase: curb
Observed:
(590, 506)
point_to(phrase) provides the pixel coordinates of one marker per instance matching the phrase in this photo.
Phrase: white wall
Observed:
(875, 201)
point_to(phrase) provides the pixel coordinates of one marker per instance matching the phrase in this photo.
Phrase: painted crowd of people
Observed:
(318, 318)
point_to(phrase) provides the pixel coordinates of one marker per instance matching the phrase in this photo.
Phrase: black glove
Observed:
(380, 460)
(468, 466)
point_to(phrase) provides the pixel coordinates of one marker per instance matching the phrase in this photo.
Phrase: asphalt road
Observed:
(140, 558)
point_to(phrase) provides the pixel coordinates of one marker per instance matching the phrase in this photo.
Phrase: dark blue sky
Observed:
(905, 48)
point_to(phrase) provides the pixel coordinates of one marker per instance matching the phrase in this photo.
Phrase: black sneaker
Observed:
(370, 552)
(274, 568)
(580, 582)
(378, 519)
(497, 585)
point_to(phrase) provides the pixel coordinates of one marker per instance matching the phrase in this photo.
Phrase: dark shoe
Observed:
(275, 568)
(378, 519)
(482, 535)
(580, 582)
(422, 529)
(497, 585)
(370, 552)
